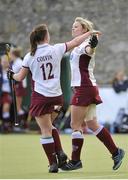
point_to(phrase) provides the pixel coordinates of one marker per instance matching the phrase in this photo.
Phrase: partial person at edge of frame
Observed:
(20, 87)
(5, 96)
(120, 81)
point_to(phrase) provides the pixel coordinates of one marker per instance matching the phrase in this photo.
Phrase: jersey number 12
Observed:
(47, 67)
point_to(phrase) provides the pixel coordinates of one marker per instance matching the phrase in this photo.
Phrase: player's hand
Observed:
(95, 32)
(10, 74)
(93, 41)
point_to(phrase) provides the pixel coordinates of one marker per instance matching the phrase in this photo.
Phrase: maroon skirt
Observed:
(41, 105)
(6, 98)
(84, 96)
(20, 90)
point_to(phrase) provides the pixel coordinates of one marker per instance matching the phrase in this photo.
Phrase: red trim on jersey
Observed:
(85, 48)
(83, 66)
(25, 67)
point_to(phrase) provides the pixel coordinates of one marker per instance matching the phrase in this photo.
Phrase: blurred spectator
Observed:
(121, 122)
(120, 82)
(20, 87)
(0, 80)
(5, 97)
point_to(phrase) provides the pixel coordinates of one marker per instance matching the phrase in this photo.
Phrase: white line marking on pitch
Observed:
(112, 175)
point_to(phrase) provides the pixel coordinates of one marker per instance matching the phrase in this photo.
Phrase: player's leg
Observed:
(6, 103)
(20, 93)
(77, 118)
(55, 133)
(61, 156)
(21, 113)
(47, 140)
(104, 136)
(6, 125)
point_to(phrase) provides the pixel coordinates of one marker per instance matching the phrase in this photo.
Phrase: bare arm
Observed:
(89, 50)
(21, 74)
(78, 40)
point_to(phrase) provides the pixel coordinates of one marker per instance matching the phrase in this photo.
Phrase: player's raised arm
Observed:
(79, 39)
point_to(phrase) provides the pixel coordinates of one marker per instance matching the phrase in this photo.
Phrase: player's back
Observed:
(45, 68)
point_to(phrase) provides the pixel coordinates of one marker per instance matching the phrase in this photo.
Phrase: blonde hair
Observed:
(86, 24)
(16, 51)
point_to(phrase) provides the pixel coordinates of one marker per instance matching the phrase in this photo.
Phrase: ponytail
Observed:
(37, 35)
(33, 43)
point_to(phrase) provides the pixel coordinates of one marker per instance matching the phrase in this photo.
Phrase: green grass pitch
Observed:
(21, 157)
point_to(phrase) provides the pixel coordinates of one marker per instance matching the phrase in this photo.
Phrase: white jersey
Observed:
(17, 65)
(45, 68)
(5, 83)
(82, 66)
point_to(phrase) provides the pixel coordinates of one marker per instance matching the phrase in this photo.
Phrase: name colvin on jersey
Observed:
(44, 58)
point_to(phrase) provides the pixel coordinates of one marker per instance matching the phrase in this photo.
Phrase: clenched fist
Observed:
(93, 41)
(10, 74)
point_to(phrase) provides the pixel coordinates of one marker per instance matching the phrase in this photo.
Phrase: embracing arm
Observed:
(79, 39)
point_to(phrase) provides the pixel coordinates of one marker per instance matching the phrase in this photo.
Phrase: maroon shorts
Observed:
(20, 90)
(6, 98)
(43, 105)
(84, 96)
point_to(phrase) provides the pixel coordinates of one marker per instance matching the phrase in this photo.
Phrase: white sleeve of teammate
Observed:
(25, 62)
(17, 65)
(60, 49)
